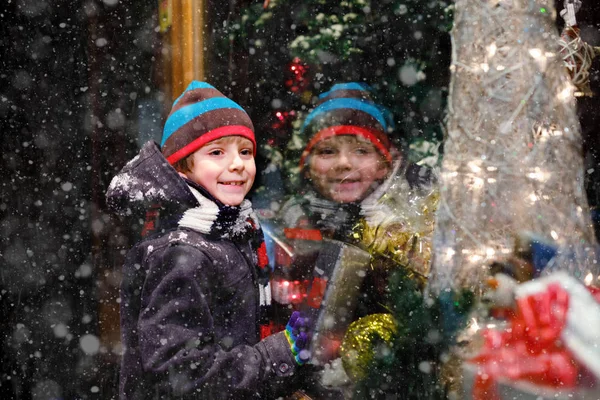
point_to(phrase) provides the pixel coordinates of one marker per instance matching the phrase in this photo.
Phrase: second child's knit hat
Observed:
(200, 115)
(348, 109)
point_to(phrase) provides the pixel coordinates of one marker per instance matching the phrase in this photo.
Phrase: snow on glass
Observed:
(82, 87)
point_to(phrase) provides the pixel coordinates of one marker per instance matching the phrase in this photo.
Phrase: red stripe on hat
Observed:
(374, 136)
(231, 130)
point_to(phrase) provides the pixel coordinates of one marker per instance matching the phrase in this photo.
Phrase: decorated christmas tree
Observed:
(287, 52)
(513, 159)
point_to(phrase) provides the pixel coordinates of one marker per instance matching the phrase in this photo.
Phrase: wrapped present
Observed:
(523, 390)
(550, 347)
(333, 295)
(322, 278)
(292, 254)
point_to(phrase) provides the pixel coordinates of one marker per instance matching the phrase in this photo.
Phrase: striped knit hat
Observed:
(348, 109)
(200, 115)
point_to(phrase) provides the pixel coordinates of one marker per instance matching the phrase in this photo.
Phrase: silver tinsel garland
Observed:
(513, 160)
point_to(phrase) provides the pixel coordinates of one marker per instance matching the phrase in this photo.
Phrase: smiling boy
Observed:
(345, 163)
(195, 294)
(346, 168)
(225, 167)
(355, 190)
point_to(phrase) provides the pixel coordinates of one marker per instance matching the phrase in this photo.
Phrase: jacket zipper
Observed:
(255, 282)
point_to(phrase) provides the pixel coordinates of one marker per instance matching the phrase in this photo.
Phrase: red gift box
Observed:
(552, 344)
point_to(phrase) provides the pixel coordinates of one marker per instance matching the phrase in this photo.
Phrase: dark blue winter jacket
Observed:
(189, 302)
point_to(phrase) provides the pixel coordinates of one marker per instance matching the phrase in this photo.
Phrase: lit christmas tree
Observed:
(513, 159)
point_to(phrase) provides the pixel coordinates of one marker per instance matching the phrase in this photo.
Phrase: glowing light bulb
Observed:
(539, 175)
(535, 53)
(566, 93)
(474, 326)
(475, 258)
(477, 183)
(474, 167)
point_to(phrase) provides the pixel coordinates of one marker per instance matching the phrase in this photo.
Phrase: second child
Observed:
(358, 190)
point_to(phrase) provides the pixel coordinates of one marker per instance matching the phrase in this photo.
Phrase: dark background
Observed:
(80, 90)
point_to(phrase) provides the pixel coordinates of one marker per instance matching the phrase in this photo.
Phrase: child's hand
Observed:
(297, 332)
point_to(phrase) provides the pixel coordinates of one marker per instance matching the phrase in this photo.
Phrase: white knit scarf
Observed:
(205, 218)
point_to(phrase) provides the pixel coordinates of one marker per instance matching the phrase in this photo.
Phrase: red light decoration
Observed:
(283, 119)
(288, 292)
(297, 79)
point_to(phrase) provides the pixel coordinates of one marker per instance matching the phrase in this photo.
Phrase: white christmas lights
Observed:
(512, 155)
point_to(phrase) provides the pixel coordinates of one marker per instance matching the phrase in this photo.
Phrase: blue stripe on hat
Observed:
(188, 113)
(192, 86)
(354, 104)
(347, 86)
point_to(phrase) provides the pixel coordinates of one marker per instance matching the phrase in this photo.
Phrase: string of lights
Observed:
(512, 154)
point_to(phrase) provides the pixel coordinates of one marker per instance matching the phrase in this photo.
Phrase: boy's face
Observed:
(225, 167)
(346, 168)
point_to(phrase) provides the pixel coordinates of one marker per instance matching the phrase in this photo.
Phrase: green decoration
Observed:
(420, 364)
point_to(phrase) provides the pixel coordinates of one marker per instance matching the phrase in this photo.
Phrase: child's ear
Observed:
(384, 170)
(306, 173)
(184, 176)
